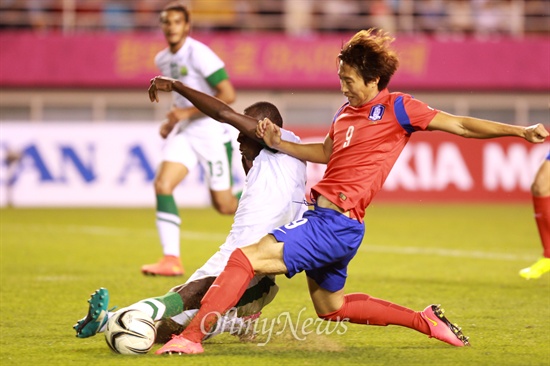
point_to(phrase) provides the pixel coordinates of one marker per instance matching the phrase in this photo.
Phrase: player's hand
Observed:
(536, 133)
(165, 128)
(262, 127)
(269, 132)
(159, 83)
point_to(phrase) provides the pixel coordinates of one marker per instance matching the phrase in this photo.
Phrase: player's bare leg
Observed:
(225, 202)
(191, 294)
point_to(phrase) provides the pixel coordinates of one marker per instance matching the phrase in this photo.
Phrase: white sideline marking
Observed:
(202, 236)
(445, 253)
(112, 231)
(56, 278)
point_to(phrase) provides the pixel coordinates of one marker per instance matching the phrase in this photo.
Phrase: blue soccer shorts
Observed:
(322, 243)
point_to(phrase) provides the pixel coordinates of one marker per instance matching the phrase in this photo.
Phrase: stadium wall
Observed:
(273, 61)
(112, 165)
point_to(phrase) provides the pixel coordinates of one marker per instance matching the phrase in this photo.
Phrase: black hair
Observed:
(265, 110)
(369, 52)
(177, 6)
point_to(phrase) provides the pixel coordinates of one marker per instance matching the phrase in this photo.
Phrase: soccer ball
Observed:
(130, 332)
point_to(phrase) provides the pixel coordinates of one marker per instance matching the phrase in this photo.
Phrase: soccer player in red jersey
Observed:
(540, 191)
(366, 137)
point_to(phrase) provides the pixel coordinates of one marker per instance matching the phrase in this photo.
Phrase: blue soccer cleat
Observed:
(97, 315)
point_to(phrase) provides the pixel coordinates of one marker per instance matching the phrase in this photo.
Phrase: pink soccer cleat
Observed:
(168, 266)
(441, 328)
(179, 345)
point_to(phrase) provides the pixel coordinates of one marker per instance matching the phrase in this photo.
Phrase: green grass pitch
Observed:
(465, 257)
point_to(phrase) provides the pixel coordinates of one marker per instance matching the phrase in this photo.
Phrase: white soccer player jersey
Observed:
(202, 140)
(193, 64)
(273, 195)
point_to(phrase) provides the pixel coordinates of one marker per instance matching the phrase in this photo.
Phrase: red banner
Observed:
(272, 61)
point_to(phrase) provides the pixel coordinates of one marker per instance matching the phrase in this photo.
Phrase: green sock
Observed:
(172, 302)
(166, 203)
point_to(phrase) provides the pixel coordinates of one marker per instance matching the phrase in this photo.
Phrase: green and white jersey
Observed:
(198, 67)
(202, 140)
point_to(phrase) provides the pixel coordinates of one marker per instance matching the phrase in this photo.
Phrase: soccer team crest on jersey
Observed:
(174, 70)
(376, 112)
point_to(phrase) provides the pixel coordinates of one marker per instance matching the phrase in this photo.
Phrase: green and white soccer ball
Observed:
(130, 332)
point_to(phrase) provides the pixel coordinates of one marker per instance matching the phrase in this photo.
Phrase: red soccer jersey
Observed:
(366, 143)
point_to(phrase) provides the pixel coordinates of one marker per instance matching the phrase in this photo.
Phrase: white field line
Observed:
(218, 237)
(440, 252)
(111, 231)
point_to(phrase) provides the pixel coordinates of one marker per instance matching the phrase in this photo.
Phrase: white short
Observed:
(212, 152)
(212, 268)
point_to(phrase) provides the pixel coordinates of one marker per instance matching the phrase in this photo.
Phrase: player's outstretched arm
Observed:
(314, 152)
(211, 106)
(484, 129)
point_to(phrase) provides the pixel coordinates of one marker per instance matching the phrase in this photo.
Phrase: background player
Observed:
(273, 194)
(540, 191)
(198, 139)
(365, 139)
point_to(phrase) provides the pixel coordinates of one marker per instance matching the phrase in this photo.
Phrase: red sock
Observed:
(542, 217)
(364, 309)
(223, 294)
